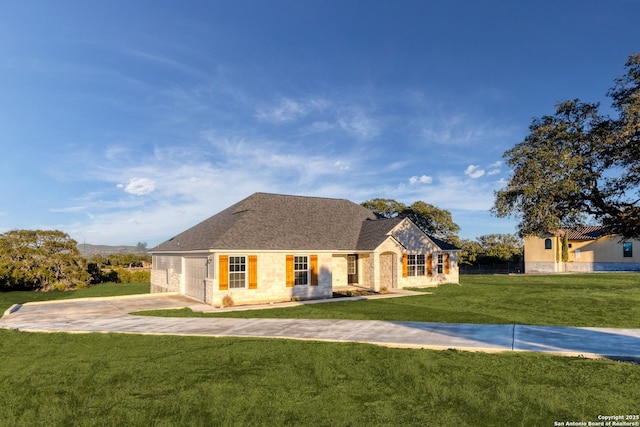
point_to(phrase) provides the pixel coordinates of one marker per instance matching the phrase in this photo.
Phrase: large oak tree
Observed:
(40, 260)
(579, 165)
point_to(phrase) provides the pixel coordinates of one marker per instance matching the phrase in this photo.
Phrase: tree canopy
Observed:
(578, 165)
(491, 248)
(430, 219)
(40, 260)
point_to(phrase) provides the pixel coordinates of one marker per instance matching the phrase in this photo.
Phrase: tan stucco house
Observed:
(590, 249)
(272, 247)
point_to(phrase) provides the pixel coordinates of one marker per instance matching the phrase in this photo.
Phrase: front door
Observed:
(352, 269)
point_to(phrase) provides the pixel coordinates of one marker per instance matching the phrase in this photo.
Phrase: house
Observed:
(271, 247)
(590, 249)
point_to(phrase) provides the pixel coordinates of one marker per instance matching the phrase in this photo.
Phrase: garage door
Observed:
(196, 273)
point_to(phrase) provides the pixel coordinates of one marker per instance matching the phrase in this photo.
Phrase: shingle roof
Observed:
(266, 221)
(374, 232)
(587, 233)
(444, 245)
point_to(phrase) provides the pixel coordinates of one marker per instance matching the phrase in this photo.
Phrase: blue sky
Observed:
(129, 121)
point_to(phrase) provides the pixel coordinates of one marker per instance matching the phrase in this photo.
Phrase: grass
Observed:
(7, 299)
(136, 380)
(114, 380)
(603, 300)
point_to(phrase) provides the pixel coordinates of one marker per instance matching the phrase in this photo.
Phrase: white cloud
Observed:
(341, 165)
(459, 128)
(138, 186)
(494, 168)
(359, 124)
(68, 209)
(289, 110)
(474, 171)
(424, 179)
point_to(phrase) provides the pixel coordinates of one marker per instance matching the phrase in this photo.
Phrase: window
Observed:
(415, 265)
(440, 263)
(547, 243)
(301, 270)
(237, 272)
(351, 265)
(627, 249)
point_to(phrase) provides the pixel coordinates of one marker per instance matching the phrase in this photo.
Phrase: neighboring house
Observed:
(590, 249)
(271, 247)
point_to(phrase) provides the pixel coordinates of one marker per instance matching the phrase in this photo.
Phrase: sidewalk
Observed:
(112, 315)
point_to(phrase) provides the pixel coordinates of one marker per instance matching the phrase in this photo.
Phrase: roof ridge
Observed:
(299, 196)
(278, 221)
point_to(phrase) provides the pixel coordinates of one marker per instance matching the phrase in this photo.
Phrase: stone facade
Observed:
(271, 281)
(269, 275)
(376, 271)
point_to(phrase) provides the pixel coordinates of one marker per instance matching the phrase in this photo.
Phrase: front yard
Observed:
(136, 380)
(604, 300)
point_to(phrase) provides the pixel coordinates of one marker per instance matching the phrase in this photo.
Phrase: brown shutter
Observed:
(405, 265)
(447, 264)
(430, 265)
(289, 274)
(314, 270)
(253, 272)
(223, 268)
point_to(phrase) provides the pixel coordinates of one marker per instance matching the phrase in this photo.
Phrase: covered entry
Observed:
(195, 277)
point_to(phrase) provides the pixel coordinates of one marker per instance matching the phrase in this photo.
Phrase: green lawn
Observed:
(116, 380)
(7, 299)
(604, 300)
(136, 380)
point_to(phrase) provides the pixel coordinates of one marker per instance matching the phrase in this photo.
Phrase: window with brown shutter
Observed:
(253, 272)
(289, 272)
(314, 270)
(405, 265)
(223, 268)
(430, 265)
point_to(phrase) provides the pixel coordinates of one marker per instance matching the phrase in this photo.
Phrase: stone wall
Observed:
(165, 280)
(271, 287)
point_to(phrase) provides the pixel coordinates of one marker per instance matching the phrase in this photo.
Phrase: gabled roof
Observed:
(593, 232)
(444, 245)
(374, 232)
(266, 221)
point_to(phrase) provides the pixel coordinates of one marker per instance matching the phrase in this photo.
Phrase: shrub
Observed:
(141, 276)
(227, 301)
(124, 276)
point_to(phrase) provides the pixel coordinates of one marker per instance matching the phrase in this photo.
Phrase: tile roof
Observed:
(586, 233)
(266, 221)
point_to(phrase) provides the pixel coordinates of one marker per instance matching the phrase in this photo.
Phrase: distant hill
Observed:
(87, 250)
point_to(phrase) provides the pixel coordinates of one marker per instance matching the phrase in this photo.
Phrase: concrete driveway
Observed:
(112, 315)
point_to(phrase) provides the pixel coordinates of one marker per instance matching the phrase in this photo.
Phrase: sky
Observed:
(131, 121)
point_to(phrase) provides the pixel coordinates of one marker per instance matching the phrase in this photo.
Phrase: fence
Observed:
(504, 268)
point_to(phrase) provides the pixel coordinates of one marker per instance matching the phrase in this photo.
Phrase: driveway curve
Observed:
(111, 315)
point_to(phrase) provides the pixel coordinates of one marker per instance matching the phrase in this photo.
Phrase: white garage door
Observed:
(196, 273)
